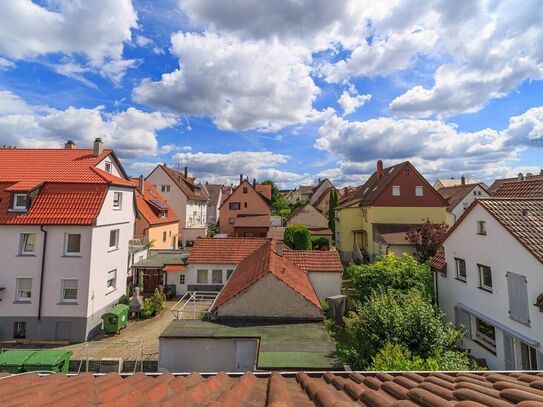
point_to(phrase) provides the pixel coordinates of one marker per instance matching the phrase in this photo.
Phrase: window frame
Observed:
(481, 228)
(63, 289)
(117, 200)
(20, 208)
(231, 221)
(234, 206)
(164, 187)
(396, 190)
(164, 236)
(18, 290)
(532, 357)
(482, 286)
(116, 244)
(482, 338)
(66, 244)
(245, 190)
(213, 273)
(111, 287)
(206, 276)
(229, 274)
(419, 188)
(182, 279)
(23, 242)
(21, 325)
(107, 166)
(457, 262)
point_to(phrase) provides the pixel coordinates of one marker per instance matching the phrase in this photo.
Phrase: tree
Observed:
(279, 205)
(391, 272)
(297, 237)
(407, 319)
(332, 205)
(321, 243)
(427, 239)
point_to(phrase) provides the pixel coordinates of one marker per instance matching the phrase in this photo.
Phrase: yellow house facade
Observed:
(163, 237)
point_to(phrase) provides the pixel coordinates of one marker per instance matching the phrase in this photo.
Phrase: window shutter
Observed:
(509, 351)
(539, 360)
(462, 318)
(517, 287)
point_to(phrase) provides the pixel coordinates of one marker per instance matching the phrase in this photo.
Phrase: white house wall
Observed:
(503, 253)
(458, 210)
(176, 199)
(325, 284)
(191, 272)
(115, 170)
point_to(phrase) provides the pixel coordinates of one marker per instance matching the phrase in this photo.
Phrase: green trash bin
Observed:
(115, 319)
(48, 360)
(12, 361)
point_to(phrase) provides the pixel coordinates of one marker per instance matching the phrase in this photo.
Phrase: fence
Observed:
(193, 304)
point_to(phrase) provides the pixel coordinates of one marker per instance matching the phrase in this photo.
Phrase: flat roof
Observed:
(160, 259)
(297, 345)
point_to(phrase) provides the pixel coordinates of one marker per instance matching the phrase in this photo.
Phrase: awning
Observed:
(523, 338)
(173, 267)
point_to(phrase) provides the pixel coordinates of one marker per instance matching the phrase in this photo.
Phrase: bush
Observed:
(401, 273)
(297, 237)
(321, 243)
(159, 299)
(149, 308)
(169, 294)
(124, 300)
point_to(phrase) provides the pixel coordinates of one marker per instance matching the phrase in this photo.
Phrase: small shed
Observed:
(151, 272)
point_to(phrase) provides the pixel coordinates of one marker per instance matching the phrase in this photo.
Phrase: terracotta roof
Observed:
(188, 186)
(303, 389)
(265, 190)
(252, 221)
(497, 183)
(451, 182)
(254, 188)
(214, 191)
(226, 192)
(174, 267)
(394, 233)
(530, 188)
(316, 231)
(306, 189)
(231, 250)
(151, 203)
(455, 194)
(56, 204)
(314, 260)
(262, 262)
(438, 262)
(112, 179)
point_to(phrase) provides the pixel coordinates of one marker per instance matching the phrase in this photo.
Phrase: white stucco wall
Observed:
(115, 170)
(500, 251)
(269, 298)
(326, 284)
(176, 199)
(459, 209)
(190, 273)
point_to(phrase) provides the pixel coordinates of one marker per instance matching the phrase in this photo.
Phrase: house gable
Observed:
(309, 216)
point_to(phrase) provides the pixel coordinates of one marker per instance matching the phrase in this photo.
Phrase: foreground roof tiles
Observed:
(230, 250)
(314, 260)
(340, 389)
(530, 188)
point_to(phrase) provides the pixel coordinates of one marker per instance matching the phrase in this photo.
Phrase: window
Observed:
(164, 236)
(485, 335)
(234, 206)
(460, 269)
(181, 279)
(164, 188)
(162, 214)
(231, 221)
(28, 243)
(248, 234)
(528, 357)
(114, 239)
(111, 283)
(19, 330)
(395, 190)
(485, 277)
(245, 204)
(73, 244)
(481, 227)
(245, 190)
(201, 277)
(20, 202)
(24, 289)
(117, 200)
(216, 276)
(108, 166)
(68, 291)
(419, 191)
(229, 273)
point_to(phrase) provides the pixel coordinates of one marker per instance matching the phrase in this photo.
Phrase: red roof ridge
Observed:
(113, 179)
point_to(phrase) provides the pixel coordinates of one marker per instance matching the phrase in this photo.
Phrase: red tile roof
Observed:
(231, 250)
(438, 262)
(56, 204)
(265, 190)
(262, 262)
(452, 182)
(314, 260)
(151, 203)
(455, 194)
(188, 186)
(530, 188)
(332, 389)
(497, 183)
(174, 267)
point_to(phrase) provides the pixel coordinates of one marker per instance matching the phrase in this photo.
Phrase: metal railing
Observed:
(193, 304)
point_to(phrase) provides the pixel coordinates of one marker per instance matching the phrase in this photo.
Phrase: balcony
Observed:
(137, 243)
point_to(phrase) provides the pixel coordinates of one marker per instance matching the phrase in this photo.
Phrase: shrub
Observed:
(159, 299)
(149, 308)
(320, 243)
(297, 237)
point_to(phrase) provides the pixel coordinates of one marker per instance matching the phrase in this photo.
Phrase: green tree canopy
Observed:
(297, 237)
(279, 205)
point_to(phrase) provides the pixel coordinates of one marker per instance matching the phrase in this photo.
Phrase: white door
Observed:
(246, 355)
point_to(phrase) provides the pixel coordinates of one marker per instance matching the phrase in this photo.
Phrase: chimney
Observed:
(463, 180)
(141, 184)
(254, 182)
(240, 178)
(379, 169)
(98, 147)
(186, 172)
(69, 145)
(520, 176)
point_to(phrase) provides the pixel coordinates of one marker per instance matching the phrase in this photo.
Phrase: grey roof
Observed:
(162, 258)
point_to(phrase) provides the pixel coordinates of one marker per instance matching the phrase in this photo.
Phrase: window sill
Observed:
(72, 255)
(26, 255)
(117, 209)
(109, 291)
(461, 280)
(67, 303)
(488, 290)
(114, 249)
(481, 234)
(485, 346)
(22, 302)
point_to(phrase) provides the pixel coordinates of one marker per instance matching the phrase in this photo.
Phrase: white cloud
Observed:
(240, 85)
(6, 64)
(350, 100)
(132, 133)
(96, 29)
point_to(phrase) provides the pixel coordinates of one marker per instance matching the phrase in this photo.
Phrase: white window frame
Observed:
(165, 188)
(457, 261)
(213, 273)
(481, 227)
(419, 190)
(66, 238)
(182, 279)
(63, 290)
(23, 242)
(113, 286)
(532, 362)
(396, 190)
(116, 245)
(117, 200)
(20, 290)
(107, 166)
(17, 207)
(481, 338)
(198, 276)
(480, 268)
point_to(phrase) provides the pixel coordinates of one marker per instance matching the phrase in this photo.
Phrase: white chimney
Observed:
(69, 145)
(141, 184)
(98, 147)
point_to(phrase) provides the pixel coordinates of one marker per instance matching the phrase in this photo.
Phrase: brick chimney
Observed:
(69, 145)
(240, 178)
(141, 184)
(98, 147)
(463, 180)
(186, 172)
(379, 169)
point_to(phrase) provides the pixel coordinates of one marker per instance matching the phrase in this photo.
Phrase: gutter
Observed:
(42, 270)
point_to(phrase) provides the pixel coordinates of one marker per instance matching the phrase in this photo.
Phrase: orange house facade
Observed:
(246, 212)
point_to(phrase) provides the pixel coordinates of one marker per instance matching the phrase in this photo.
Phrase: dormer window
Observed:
(162, 214)
(108, 166)
(20, 202)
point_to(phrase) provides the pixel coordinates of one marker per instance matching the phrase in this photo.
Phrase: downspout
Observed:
(42, 270)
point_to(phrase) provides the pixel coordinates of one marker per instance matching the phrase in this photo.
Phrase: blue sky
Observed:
(288, 90)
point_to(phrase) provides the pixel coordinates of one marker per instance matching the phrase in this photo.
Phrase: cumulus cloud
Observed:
(350, 100)
(240, 85)
(96, 29)
(132, 133)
